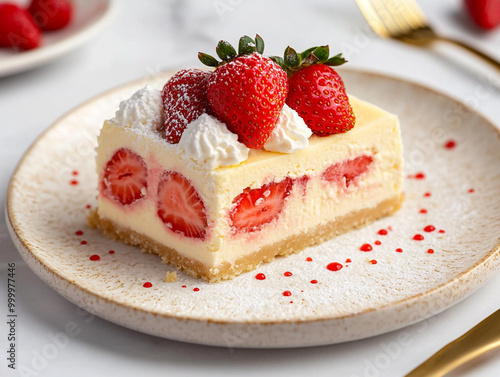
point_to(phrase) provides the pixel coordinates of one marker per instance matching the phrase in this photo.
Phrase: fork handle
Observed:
(475, 51)
(482, 338)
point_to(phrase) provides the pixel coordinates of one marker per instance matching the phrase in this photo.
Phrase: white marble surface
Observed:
(145, 37)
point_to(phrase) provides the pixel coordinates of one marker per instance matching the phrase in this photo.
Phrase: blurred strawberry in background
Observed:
(485, 13)
(17, 28)
(51, 14)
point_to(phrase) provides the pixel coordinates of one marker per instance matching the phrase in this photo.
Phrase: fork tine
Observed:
(392, 18)
(413, 14)
(372, 18)
(390, 13)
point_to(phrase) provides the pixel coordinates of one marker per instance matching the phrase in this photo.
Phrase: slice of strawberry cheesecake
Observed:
(217, 174)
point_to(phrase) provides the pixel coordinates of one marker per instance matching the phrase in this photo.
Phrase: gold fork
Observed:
(482, 338)
(404, 20)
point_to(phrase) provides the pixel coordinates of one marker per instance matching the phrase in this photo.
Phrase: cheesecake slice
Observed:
(218, 209)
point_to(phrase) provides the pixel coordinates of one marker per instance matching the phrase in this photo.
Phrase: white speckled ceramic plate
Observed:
(90, 16)
(452, 159)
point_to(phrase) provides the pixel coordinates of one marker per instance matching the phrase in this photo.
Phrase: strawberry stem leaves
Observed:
(226, 52)
(293, 61)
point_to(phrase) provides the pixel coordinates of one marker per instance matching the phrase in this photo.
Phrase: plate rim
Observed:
(486, 263)
(44, 54)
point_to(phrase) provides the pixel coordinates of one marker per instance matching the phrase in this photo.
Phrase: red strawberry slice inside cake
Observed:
(218, 171)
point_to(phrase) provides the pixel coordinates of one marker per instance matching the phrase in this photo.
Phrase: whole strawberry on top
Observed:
(317, 92)
(247, 90)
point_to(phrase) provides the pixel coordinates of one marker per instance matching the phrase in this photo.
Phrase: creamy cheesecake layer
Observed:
(308, 207)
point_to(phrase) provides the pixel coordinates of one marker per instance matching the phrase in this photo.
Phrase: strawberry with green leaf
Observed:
(316, 91)
(247, 90)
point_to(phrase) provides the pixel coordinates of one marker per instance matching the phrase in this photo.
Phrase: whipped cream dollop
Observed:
(290, 134)
(143, 109)
(209, 142)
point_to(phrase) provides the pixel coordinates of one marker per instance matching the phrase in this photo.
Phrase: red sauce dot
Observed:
(184, 286)
(382, 232)
(287, 293)
(378, 242)
(399, 250)
(430, 251)
(418, 237)
(471, 191)
(429, 228)
(83, 242)
(147, 285)
(95, 257)
(196, 289)
(111, 251)
(373, 261)
(366, 247)
(260, 276)
(75, 172)
(348, 260)
(288, 273)
(88, 206)
(309, 259)
(334, 266)
(450, 144)
(79, 233)
(427, 194)
(291, 302)
(73, 182)
(420, 175)
(441, 230)
(314, 281)
(423, 210)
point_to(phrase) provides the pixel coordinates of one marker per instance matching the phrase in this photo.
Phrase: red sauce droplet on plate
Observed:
(73, 182)
(95, 257)
(430, 228)
(377, 242)
(418, 237)
(287, 293)
(470, 191)
(427, 194)
(309, 259)
(423, 210)
(147, 285)
(441, 230)
(196, 289)
(88, 206)
(430, 251)
(420, 175)
(184, 286)
(450, 144)
(288, 273)
(75, 172)
(314, 281)
(348, 260)
(260, 276)
(373, 261)
(382, 232)
(399, 250)
(79, 233)
(111, 251)
(83, 242)
(334, 266)
(366, 247)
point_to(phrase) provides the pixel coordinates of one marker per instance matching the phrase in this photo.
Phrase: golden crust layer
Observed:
(289, 245)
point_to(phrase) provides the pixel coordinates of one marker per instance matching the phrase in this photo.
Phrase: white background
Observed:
(145, 37)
